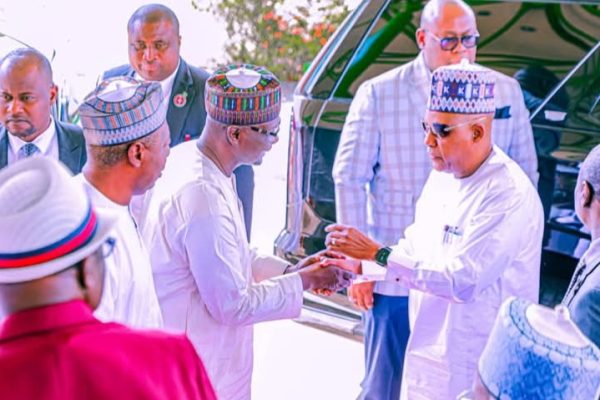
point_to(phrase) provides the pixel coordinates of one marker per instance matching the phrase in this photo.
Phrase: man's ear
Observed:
(587, 194)
(53, 93)
(233, 134)
(420, 36)
(478, 132)
(135, 154)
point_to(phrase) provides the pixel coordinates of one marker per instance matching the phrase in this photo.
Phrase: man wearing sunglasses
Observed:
(381, 166)
(210, 283)
(476, 239)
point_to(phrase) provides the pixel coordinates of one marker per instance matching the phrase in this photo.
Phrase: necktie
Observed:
(28, 150)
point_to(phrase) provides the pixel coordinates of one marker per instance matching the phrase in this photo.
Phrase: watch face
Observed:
(382, 256)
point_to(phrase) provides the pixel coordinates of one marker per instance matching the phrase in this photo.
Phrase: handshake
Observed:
(325, 272)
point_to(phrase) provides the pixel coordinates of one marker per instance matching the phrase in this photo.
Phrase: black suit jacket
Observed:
(71, 146)
(187, 122)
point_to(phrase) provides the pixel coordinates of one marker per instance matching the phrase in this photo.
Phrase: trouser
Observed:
(386, 335)
(244, 183)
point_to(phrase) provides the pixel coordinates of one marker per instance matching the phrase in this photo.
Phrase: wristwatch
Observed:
(382, 255)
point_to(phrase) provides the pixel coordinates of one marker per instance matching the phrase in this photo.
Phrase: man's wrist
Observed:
(381, 256)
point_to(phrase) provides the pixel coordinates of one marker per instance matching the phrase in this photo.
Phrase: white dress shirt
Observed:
(382, 164)
(129, 295)
(475, 242)
(166, 84)
(47, 144)
(210, 283)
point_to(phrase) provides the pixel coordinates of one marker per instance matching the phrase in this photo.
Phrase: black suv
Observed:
(558, 39)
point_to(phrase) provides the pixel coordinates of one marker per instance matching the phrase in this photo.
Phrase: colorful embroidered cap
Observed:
(535, 352)
(122, 110)
(47, 223)
(462, 88)
(243, 94)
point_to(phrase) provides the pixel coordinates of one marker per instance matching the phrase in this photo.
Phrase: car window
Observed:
(514, 35)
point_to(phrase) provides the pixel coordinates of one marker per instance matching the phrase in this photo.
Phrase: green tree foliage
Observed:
(284, 39)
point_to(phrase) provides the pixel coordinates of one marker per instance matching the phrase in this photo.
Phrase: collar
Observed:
(45, 318)
(213, 170)
(592, 255)
(421, 74)
(42, 142)
(98, 198)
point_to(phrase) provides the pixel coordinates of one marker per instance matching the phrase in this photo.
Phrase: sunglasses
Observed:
(449, 43)
(442, 130)
(264, 131)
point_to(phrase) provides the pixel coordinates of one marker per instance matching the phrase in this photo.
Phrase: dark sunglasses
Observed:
(443, 130)
(265, 131)
(449, 43)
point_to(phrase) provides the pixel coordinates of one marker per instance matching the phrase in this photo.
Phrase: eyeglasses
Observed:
(449, 43)
(265, 131)
(442, 130)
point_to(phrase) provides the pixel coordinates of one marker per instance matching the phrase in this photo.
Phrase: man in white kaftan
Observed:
(127, 143)
(476, 239)
(210, 283)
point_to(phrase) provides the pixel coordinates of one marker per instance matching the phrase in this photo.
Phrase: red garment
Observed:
(62, 352)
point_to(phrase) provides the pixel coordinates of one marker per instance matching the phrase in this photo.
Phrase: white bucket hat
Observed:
(47, 223)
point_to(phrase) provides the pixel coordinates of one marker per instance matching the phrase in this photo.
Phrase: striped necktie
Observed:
(28, 150)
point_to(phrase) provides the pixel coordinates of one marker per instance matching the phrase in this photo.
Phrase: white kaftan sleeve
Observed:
(224, 278)
(490, 243)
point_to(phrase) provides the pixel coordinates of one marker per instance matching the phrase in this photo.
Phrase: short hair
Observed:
(432, 9)
(153, 13)
(590, 169)
(109, 156)
(24, 55)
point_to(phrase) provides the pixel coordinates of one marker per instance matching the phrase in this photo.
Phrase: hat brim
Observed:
(105, 219)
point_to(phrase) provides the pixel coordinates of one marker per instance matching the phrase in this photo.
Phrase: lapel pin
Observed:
(180, 99)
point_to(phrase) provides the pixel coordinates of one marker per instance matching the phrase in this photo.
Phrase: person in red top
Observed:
(52, 249)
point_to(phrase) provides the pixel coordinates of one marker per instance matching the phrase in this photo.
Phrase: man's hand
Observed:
(361, 294)
(317, 276)
(351, 242)
(313, 258)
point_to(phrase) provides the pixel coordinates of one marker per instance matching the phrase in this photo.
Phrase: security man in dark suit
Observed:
(154, 46)
(27, 93)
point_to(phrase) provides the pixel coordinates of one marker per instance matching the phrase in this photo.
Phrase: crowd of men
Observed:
(96, 268)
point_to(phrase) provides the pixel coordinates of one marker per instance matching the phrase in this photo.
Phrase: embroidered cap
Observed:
(243, 94)
(46, 219)
(535, 352)
(122, 110)
(462, 88)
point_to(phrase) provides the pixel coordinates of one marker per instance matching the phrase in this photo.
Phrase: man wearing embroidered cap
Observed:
(154, 55)
(210, 283)
(536, 353)
(127, 143)
(52, 249)
(476, 239)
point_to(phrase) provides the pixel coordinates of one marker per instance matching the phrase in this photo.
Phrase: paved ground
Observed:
(293, 360)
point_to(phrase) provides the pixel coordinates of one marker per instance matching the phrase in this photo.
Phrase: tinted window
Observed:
(514, 35)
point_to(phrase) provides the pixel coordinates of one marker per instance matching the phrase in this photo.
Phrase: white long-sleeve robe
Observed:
(210, 283)
(476, 241)
(129, 295)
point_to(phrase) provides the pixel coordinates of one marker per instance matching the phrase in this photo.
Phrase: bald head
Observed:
(436, 11)
(446, 26)
(26, 93)
(587, 192)
(152, 14)
(590, 169)
(26, 58)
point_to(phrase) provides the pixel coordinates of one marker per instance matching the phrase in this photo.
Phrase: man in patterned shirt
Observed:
(382, 164)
